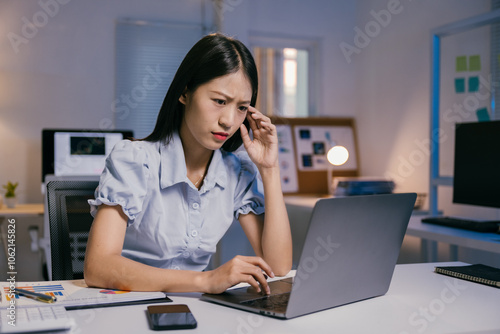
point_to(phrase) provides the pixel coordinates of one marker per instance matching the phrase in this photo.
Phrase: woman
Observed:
(164, 202)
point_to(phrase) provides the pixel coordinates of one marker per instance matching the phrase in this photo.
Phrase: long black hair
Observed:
(212, 56)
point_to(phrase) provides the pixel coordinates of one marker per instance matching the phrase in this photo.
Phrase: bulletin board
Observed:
(465, 87)
(303, 144)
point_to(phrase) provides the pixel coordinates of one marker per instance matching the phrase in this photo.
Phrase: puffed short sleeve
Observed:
(249, 189)
(124, 179)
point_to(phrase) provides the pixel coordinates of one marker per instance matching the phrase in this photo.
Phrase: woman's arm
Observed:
(105, 266)
(270, 236)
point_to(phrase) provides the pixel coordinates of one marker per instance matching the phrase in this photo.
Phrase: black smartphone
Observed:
(164, 317)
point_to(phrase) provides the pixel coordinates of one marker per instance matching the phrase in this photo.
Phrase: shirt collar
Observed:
(173, 166)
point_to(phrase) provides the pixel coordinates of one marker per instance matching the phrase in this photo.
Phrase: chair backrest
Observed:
(69, 221)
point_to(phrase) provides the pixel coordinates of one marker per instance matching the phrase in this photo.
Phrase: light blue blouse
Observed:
(172, 224)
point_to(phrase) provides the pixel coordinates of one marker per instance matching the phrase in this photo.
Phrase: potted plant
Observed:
(10, 194)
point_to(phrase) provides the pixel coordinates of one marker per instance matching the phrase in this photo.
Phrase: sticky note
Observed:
(461, 63)
(483, 115)
(459, 85)
(475, 63)
(473, 84)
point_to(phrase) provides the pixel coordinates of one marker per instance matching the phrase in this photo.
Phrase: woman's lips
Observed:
(220, 135)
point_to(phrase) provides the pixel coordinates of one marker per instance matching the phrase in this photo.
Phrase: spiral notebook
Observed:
(478, 273)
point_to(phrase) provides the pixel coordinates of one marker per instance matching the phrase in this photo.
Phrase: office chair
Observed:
(68, 219)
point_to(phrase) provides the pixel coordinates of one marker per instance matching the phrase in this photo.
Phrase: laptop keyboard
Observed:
(271, 302)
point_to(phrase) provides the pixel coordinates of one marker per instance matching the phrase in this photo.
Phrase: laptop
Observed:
(349, 254)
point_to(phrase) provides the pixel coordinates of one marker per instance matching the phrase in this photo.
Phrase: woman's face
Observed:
(215, 110)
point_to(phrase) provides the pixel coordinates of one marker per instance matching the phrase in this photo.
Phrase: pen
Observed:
(37, 296)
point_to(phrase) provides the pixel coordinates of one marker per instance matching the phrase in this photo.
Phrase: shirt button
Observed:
(176, 268)
(196, 206)
(194, 233)
(185, 254)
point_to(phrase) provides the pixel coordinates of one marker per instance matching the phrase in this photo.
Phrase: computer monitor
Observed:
(476, 179)
(77, 152)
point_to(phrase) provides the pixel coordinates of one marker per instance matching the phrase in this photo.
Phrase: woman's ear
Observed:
(183, 97)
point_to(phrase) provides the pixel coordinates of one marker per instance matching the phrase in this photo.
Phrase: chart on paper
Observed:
(49, 290)
(70, 293)
(54, 290)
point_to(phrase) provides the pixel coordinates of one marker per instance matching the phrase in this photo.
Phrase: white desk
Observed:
(300, 209)
(418, 301)
(430, 234)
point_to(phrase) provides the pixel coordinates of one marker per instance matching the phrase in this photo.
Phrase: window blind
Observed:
(147, 57)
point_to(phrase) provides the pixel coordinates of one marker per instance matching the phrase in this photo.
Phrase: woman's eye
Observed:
(221, 102)
(243, 108)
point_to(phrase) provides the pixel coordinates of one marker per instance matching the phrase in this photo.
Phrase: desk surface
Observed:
(418, 301)
(482, 241)
(21, 210)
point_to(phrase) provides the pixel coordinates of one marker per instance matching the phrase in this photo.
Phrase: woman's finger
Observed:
(256, 278)
(244, 134)
(262, 279)
(258, 115)
(259, 269)
(252, 122)
(261, 120)
(258, 262)
(253, 282)
(270, 127)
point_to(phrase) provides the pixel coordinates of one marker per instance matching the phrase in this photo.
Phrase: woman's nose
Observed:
(226, 119)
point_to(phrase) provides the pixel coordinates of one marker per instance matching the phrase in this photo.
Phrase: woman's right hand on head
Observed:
(240, 269)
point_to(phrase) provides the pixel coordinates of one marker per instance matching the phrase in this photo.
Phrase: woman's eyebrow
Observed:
(228, 97)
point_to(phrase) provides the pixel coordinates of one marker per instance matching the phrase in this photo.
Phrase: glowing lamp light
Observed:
(338, 155)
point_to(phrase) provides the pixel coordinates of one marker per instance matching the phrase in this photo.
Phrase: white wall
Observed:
(393, 103)
(326, 22)
(63, 76)
(393, 93)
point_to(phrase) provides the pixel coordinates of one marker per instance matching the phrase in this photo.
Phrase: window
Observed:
(147, 57)
(286, 76)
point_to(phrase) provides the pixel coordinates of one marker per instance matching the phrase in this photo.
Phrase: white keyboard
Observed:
(36, 319)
